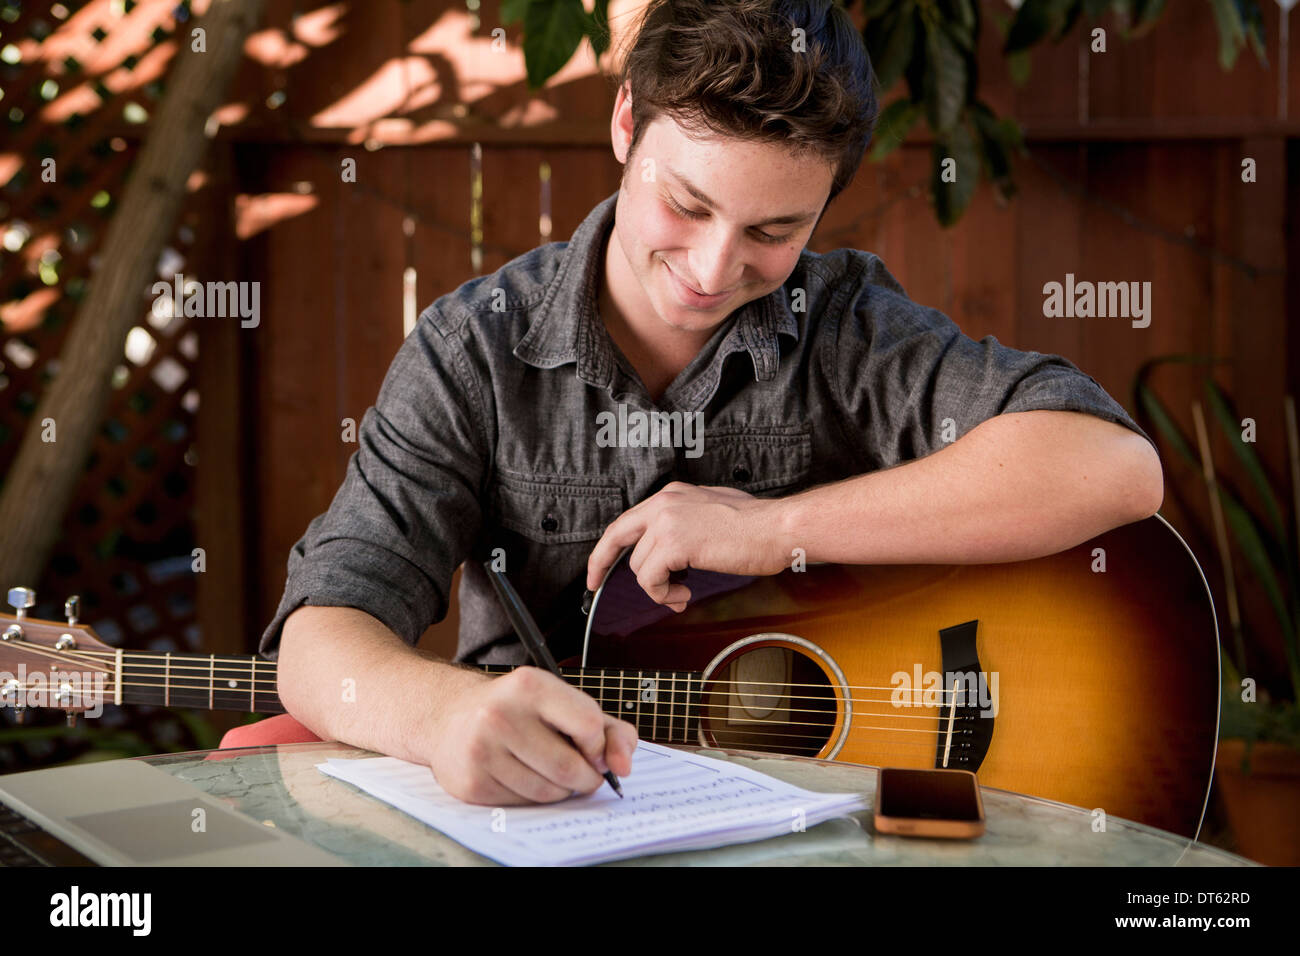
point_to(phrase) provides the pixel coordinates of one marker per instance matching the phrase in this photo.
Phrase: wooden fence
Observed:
(1133, 173)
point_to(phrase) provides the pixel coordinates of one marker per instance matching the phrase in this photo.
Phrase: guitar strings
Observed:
(182, 690)
(174, 665)
(653, 716)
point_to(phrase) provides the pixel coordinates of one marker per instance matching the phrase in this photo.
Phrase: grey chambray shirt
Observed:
(484, 434)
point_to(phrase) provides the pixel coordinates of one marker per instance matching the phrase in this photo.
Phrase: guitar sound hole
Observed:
(770, 699)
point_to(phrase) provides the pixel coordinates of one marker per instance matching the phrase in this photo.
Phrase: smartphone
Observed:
(930, 803)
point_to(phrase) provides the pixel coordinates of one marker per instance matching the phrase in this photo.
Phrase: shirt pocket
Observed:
(556, 509)
(755, 459)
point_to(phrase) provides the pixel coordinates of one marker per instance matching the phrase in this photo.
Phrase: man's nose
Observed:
(717, 264)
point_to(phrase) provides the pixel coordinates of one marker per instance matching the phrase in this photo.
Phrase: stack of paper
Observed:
(674, 800)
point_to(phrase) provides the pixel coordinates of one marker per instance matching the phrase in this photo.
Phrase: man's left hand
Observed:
(711, 528)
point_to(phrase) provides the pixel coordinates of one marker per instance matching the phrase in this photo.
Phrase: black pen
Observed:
(531, 635)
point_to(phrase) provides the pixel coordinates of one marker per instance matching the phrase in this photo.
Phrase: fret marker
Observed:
(628, 705)
(232, 683)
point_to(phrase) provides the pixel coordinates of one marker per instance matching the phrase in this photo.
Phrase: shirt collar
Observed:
(566, 327)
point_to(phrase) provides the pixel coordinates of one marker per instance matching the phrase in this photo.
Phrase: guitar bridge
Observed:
(969, 704)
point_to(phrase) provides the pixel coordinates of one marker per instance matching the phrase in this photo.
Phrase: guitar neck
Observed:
(200, 681)
(662, 705)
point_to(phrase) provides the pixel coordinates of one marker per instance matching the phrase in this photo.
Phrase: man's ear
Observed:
(620, 124)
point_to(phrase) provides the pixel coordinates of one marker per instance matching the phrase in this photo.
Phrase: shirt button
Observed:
(549, 523)
(740, 473)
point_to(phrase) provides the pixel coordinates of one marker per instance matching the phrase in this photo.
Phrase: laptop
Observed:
(128, 813)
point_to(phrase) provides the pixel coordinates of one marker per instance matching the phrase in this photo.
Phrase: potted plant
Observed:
(1258, 760)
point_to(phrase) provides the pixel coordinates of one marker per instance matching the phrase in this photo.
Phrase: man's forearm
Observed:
(345, 676)
(1018, 486)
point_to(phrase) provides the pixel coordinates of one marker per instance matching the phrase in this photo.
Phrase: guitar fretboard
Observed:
(211, 682)
(664, 706)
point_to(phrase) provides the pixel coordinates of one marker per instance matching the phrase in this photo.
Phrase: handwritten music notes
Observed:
(674, 800)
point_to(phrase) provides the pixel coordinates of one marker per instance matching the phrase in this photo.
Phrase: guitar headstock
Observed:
(51, 663)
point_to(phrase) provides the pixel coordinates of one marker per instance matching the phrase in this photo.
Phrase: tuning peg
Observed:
(20, 715)
(72, 718)
(20, 599)
(72, 608)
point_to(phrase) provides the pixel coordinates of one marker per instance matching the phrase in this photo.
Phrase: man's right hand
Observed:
(498, 741)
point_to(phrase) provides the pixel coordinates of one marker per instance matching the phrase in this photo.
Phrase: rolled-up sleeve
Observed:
(914, 382)
(409, 507)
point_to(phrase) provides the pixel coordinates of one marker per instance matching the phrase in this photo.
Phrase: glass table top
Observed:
(280, 786)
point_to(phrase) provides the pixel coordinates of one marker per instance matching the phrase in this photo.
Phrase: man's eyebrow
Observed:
(795, 219)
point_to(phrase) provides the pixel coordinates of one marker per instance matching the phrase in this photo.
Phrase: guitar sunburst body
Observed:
(1099, 688)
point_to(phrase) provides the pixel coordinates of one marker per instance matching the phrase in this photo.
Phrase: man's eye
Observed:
(682, 211)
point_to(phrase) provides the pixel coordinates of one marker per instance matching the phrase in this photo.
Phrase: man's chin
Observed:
(681, 319)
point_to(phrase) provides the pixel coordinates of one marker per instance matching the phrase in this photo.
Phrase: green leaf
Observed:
(896, 47)
(998, 138)
(1012, 136)
(1253, 21)
(552, 31)
(1278, 542)
(1231, 675)
(1232, 32)
(1146, 14)
(951, 199)
(1218, 403)
(1072, 9)
(1031, 23)
(513, 10)
(959, 20)
(1148, 401)
(598, 28)
(1040, 19)
(964, 39)
(1252, 547)
(892, 127)
(1018, 66)
(966, 13)
(1236, 717)
(1251, 538)
(945, 80)
(1164, 422)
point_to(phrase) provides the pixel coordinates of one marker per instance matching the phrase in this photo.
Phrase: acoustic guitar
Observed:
(1089, 677)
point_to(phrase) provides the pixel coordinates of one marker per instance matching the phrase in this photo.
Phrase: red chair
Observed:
(281, 729)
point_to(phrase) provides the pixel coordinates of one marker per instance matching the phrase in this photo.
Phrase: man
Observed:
(838, 417)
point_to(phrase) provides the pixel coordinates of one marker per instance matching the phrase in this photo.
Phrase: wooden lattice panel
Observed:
(79, 82)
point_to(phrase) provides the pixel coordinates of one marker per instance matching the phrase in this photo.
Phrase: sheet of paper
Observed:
(674, 800)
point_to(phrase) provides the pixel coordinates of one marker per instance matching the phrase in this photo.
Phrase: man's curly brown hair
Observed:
(735, 68)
